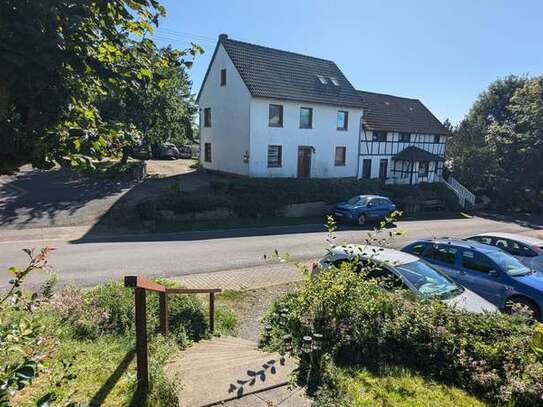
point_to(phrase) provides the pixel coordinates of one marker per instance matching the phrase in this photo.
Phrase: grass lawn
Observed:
(89, 346)
(398, 387)
(100, 372)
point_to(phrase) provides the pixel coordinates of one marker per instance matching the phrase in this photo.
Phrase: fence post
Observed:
(141, 340)
(211, 312)
(163, 313)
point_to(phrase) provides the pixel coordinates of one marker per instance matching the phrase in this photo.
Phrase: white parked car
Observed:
(528, 250)
(402, 270)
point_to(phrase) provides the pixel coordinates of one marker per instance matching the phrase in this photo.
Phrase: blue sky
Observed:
(442, 52)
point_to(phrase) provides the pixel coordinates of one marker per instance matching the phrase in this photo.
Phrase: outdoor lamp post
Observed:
(287, 342)
(317, 342)
(267, 332)
(283, 317)
(307, 343)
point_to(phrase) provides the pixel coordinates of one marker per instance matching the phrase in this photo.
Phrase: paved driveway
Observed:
(59, 197)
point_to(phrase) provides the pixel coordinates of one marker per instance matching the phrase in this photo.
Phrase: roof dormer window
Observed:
(322, 79)
(334, 81)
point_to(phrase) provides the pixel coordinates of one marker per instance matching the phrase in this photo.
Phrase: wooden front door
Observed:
(366, 168)
(383, 168)
(304, 162)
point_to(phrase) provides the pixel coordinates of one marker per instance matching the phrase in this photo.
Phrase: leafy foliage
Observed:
(488, 354)
(22, 345)
(59, 59)
(109, 309)
(162, 109)
(390, 386)
(248, 197)
(497, 148)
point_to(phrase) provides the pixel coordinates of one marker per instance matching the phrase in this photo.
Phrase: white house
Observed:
(271, 113)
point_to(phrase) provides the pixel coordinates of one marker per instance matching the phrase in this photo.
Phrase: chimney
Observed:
(223, 37)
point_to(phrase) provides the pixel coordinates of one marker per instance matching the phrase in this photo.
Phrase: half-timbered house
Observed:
(271, 113)
(401, 141)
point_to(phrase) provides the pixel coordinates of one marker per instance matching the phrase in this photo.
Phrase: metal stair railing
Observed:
(465, 197)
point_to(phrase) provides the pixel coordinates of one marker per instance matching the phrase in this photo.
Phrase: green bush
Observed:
(147, 209)
(109, 309)
(185, 203)
(111, 170)
(250, 197)
(489, 355)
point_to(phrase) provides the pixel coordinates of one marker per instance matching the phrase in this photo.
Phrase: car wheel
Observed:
(525, 303)
(361, 220)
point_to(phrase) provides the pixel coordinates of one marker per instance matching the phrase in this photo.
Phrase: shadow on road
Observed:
(214, 234)
(36, 198)
(527, 220)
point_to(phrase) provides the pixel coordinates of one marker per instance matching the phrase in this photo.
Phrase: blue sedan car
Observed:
(363, 208)
(488, 271)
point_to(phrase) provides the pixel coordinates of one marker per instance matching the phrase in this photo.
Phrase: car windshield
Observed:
(361, 200)
(428, 281)
(508, 263)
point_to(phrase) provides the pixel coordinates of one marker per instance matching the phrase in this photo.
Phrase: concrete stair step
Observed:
(204, 364)
(208, 374)
(220, 357)
(216, 348)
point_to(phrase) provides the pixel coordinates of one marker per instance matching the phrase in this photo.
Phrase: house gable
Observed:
(273, 73)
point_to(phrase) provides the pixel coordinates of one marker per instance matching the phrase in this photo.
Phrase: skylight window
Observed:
(334, 81)
(322, 79)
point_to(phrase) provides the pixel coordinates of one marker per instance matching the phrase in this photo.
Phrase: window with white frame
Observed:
(405, 137)
(423, 168)
(340, 156)
(207, 117)
(306, 118)
(379, 136)
(342, 120)
(274, 156)
(275, 117)
(207, 152)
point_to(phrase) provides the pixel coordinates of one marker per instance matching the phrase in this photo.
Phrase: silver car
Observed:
(402, 270)
(528, 250)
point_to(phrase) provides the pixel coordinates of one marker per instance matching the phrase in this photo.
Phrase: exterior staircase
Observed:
(466, 198)
(221, 369)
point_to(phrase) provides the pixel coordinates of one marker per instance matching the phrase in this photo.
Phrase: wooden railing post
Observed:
(163, 313)
(212, 312)
(140, 286)
(141, 340)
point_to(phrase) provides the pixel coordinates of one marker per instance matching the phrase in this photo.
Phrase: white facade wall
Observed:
(376, 151)
(230, 117)
(323, 137)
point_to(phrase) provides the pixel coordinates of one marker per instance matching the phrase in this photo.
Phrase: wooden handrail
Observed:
(141, 282)
(192, 290)
(141, 285)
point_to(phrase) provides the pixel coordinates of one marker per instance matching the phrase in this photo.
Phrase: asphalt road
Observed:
(91, 262)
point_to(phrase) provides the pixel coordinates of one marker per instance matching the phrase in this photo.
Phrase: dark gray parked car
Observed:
(168, 151)
(185, 151)
(142, 152)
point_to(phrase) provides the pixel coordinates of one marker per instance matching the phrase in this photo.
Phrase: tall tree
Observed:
(162, 110)
(58, 57)
(496, 149)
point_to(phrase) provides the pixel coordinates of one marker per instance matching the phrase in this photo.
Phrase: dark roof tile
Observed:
(273, 73)
(413, 153)
(394, 113)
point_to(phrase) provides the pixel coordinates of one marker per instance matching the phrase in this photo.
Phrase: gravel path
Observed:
(253, 305)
